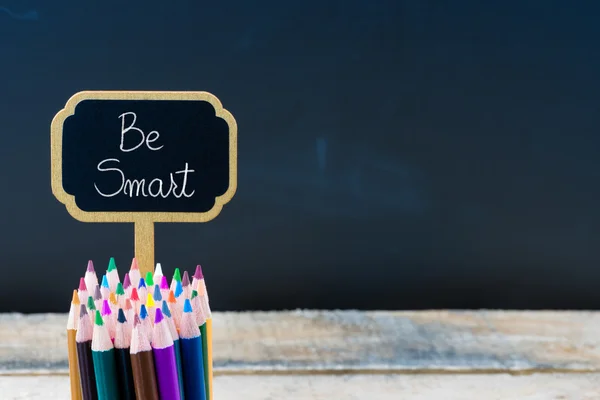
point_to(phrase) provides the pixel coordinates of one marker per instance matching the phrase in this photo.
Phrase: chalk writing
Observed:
(139, 187)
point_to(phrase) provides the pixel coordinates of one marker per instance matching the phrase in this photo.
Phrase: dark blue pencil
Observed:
(191, 355)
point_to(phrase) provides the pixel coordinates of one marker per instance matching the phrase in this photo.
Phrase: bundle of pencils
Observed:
(140, 338)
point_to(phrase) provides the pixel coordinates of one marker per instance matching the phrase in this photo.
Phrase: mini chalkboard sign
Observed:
(144, 157)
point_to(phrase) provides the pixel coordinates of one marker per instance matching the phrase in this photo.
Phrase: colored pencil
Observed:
(91, 308)
(134, 273)
(192, 355)
(206, 331)
(129, 312)
(113, 303)
(165, 362)
(107, 317)
(91, 280)
(176, 278)
(135, 300)
(105, 368)
(142, 289)
(82, 291)
(175, 310)
(164, 287)
(122, 343)
(201, 320)
(105, 287)
(150, 306)
(112, 274)
(176, 343)
(142, 364)
(149, 282)
(146, 322)
(84, 356)
(158, 274)
(120, 295)
(127, 284)
(198, 279)
(208, 359)
(157, 297)
(185, 283)
(72, 324)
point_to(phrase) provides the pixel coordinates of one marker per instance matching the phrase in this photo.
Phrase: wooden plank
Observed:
(353, 387)
(430, 341)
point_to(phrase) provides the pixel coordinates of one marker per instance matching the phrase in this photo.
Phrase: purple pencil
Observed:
(164, 359)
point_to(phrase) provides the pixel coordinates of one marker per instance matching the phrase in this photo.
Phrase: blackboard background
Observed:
(189, 137)
(392, 154)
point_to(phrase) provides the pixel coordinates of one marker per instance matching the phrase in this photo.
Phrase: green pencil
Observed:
(105, 367)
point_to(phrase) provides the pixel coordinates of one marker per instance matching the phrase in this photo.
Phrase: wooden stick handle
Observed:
(144, 246)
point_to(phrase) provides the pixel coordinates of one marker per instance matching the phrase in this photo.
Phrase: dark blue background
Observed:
(392, 154)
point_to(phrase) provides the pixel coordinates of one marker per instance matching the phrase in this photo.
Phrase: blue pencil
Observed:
(191, 355)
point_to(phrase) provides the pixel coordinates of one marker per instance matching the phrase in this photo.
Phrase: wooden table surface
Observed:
(353, 355)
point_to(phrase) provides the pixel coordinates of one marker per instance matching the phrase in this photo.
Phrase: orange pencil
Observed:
(72, 324)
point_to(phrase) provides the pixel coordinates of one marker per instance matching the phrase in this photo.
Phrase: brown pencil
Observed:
(72, 324)
(142, 364)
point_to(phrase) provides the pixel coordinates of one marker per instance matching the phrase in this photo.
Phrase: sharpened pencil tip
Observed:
(121, 316)
(149, 279)
(106, 308)
(105, 282)
(134, 264)
(164, 285)
(112, 298)
(177, 275)
(90, 266)
(90, 303)
(185, 281)
(126, 281)
(143, 312)
(187, 306)
(165, 309)
(119, 290)
(111, 264)
(75, 299)
(97, 293)
(178, 289)
(149, 300)
(134, 295)
(98, 320)
(158, 317)
(157, 294)
(194, 293)
(82, 311)
(198, 274)
(171, 298)
(142, 283)
(128, 304)
(136, 320)
(82, 285)
(158, 270)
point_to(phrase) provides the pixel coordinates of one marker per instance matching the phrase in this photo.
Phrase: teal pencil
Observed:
(105, 367)
(176, 343)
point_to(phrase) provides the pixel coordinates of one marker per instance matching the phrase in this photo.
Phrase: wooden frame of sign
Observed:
(85, 179)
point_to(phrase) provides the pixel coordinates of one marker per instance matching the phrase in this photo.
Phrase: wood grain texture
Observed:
(355, 387)
(351, 341)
